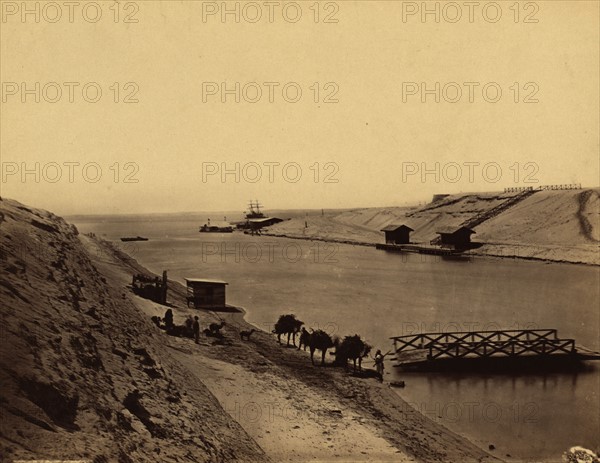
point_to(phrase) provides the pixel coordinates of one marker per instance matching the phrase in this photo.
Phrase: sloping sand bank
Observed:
(83, 374)
(558, 226)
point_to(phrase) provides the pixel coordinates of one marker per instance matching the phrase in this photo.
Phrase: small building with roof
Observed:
(457, 237)
(205, 294)
(397, 234)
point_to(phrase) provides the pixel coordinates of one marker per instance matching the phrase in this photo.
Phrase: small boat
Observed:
(134, 238)
(221, 227)
(215, 229)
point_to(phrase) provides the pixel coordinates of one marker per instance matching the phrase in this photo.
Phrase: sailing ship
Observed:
(256, 219)
(254, 212)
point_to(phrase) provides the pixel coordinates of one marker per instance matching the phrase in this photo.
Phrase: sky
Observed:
(336, 102)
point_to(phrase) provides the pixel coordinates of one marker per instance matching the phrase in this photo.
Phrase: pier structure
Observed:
(425, 349)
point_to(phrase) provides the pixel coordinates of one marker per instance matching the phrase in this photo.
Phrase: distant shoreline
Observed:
(475, 252)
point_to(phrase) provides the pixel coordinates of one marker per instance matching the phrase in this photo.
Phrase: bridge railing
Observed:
(566, 186)
(424, 340)
(510, 348)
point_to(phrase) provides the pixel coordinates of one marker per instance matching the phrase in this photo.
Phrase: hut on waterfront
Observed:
(397, 234)
(205, 294)
(457, 237)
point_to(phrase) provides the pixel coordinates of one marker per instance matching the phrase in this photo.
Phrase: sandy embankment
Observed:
(86, 375)
(83, 374)
(557, 226)
(293, 410)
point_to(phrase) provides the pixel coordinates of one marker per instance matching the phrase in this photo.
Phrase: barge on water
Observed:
(216, 227)
(491, 350)
(134, 238)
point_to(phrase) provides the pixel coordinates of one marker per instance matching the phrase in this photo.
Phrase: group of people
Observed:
(190, 328)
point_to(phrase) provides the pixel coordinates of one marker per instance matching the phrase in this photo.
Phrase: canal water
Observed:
(348, 289)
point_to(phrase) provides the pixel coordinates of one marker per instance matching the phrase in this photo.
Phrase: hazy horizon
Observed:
(178, 111)
(240, 212)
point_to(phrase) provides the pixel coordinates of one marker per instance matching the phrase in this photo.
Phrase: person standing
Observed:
(168, 319)
(196, 329)
(379, 363)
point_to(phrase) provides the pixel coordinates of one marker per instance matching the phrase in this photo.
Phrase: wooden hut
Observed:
(205, 294)
(397, 234)
(456, 237)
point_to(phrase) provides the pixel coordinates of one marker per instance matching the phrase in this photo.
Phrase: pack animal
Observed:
(246, 334)
(290, 325)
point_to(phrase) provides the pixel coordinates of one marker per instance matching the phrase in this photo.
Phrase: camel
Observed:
(290, 325)
(246, 334)
(352, 347)
(320, 340)
(304, 338)
(215, 328)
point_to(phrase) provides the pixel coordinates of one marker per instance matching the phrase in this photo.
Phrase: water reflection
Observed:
(355, 289)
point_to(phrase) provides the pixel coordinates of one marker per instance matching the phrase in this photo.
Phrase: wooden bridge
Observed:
(423, 350)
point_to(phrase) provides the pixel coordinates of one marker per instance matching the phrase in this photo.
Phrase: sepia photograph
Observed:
(304, 231)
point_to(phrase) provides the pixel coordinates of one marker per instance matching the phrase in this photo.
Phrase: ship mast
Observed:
(254, 207)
